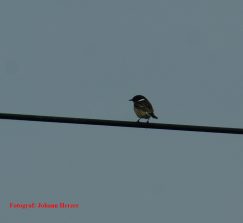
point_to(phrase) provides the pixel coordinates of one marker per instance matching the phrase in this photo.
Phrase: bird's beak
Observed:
(130, 100)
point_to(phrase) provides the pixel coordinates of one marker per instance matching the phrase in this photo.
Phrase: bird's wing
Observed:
(144, 105)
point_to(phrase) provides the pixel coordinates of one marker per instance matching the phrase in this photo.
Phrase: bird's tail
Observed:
(154, 116)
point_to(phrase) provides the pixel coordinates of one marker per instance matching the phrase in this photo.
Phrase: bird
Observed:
(143, 108)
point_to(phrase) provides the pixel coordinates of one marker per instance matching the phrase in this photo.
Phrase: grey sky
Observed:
(86, 59)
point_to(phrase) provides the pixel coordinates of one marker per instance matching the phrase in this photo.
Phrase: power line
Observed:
(194, 128)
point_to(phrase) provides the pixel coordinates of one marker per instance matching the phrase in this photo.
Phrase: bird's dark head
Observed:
(137, 98)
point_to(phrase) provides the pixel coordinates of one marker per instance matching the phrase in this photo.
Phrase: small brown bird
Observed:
(143, 108)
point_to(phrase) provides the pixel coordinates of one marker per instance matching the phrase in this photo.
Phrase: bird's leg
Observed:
(138, 120)
(148, 120)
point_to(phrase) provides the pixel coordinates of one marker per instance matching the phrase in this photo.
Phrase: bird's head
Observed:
(138, 98)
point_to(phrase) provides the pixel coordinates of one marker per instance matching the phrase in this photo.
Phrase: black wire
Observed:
(194, 128)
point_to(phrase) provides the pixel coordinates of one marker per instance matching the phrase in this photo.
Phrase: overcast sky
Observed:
(87, 59)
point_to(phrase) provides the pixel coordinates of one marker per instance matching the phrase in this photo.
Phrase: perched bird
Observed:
(142, 107)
